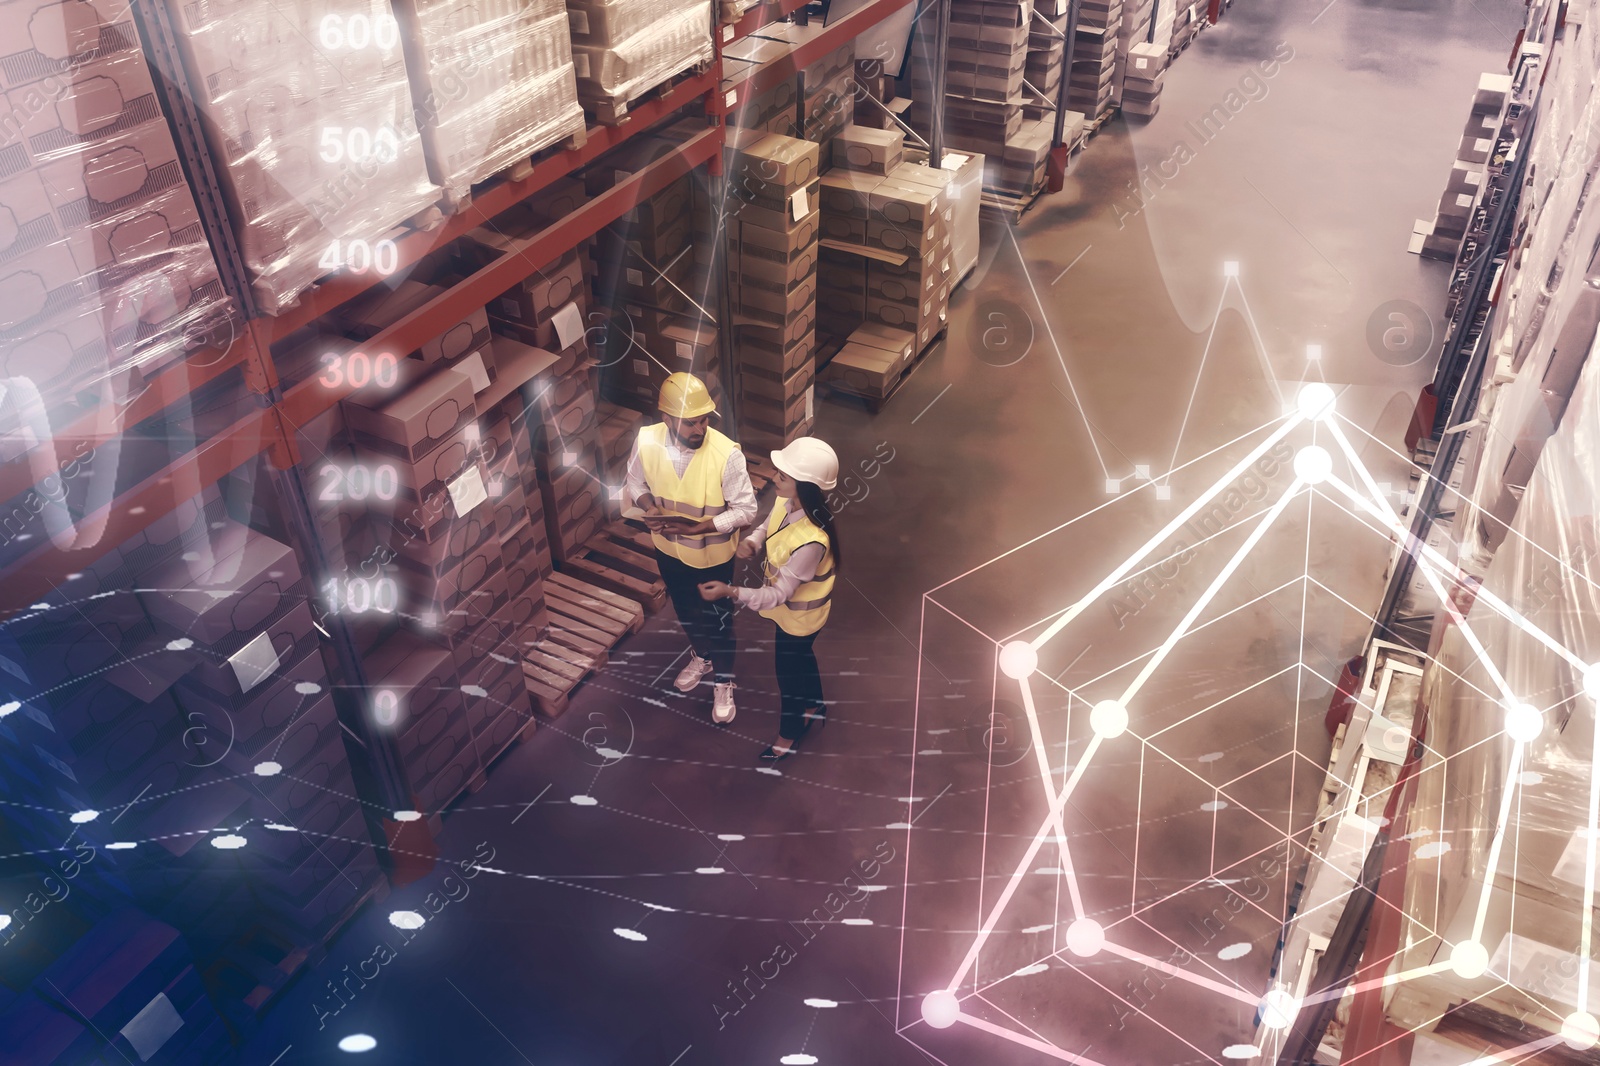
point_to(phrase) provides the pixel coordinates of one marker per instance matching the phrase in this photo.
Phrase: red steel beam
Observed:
(737, 91)
(100, 425)
(342, 288)
(43, 570)
(310, 398)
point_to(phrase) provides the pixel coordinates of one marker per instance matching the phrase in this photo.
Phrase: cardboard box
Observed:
(382, 307)
(234, 593)
(775, 308)
(776, 340)
(764, 243)
(772, 159)
(46, 38)
(430, 409)
(870, 150)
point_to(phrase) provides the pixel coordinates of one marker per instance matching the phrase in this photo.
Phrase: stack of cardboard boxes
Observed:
(1047, 55)
(1443, 237)
(1142, 79)
(314, 144)
(623, 48)
(988, 52)
(102, 260)
(887, 227)
(492, 84)
(773, 225)
(1092, 81)
(656, 285)
(827, 97)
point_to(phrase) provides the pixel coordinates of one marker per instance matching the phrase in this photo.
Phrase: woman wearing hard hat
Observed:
(801, 560)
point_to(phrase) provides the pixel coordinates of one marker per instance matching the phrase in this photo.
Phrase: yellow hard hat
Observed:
(684, 396)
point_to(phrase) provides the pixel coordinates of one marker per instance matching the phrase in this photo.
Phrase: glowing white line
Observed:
(1588, 873)
(1050, 821)
(1050, 798)
(1216, 317)
(1025, 1041)
(1182, 974)
(1516, 1052)
(1166, 531)
(1510, 789)
(1211, 591)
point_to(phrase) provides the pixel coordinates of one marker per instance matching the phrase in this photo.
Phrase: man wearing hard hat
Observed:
(692, 485)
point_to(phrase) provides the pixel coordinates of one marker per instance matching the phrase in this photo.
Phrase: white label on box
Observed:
(254, 663)
(635, 277)
(727, 33)
(476, 372)
(569, 324)
(799, 204)
(467, 491)
(811, 409)
(580, 64)
(641, 368)
(731, 99)
(579, 19)
(685, 350)
(152, 1027)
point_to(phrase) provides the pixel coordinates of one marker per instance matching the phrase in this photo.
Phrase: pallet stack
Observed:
(1142, 80)
(772, 277)
(102, 260)
(313, 144)
(492, 85)
(1092, 80)
(622, 49)
(988, 53)
(888, 223)
(1442, 238)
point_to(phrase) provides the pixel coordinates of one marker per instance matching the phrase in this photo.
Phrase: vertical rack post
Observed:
(941, 57)
(1066, 73)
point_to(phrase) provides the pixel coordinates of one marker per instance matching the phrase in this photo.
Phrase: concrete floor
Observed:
(1311, 187)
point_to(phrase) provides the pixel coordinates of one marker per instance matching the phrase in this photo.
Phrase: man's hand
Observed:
(715, 590)
(746, 550)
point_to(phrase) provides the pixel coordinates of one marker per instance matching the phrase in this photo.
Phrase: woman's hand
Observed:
(715, 590)
(746, 550)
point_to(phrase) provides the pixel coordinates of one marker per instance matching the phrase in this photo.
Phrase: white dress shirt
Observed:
(737, 492)
(801, 567)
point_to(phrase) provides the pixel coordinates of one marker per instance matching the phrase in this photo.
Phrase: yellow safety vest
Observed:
(807, 608)
(697, 494)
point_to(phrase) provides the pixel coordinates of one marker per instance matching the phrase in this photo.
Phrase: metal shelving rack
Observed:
(270, 430)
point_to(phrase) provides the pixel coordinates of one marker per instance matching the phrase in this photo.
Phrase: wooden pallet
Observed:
(621, 559)
(610, 112)
(1010, 206)
(586, 622)
(454, 204)
(875, 404)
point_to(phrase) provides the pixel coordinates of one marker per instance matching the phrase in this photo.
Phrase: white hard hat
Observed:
(809, 459)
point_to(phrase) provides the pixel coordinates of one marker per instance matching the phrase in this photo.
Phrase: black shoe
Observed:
(773, 755)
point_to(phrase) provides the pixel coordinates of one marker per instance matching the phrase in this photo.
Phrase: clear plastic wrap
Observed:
(103, 263)
(1523, 902)
(492, 80)
(309, 113)
(622, 48)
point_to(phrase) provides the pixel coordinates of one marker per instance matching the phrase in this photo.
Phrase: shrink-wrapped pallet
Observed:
(623, 48)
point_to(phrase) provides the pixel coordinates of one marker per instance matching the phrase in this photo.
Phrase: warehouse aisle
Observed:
(631, 889)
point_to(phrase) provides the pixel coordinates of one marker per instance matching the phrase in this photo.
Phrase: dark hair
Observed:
(814, 502)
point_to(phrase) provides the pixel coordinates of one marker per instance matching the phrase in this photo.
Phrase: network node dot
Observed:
(1085, 938)
(1018, 659)
(268, 769)
(1278, 1009)
(1313, 465)
(407, 816)
(1580, 1030)
(1469, 960)
(941, 1009)
(357, 1043)
(1524, 722)
(1316, 402)
(1108, 719)
(406, 919)
(1591, 683)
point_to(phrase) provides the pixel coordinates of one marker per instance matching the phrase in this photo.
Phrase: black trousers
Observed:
(799, 682)
(708, 624)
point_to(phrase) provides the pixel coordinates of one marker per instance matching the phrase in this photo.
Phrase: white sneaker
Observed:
(690, 675)
(722, 709)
